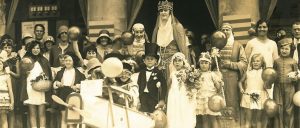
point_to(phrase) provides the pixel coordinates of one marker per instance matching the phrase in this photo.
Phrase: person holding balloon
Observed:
(209, 84)
(284, 87)
(253, 92)
(232, 65)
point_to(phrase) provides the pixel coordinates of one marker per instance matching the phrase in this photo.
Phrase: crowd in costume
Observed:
(195, 86)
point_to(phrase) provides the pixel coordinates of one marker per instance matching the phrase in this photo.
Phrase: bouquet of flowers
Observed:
(41, 83)
(189, 77)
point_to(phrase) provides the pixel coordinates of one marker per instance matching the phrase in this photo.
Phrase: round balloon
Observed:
(271, 108)
(269, 76)
(160, 118)
(26, 64)
(127, 38)
(112, 67)
(296, 98)
(218, 39)
(216, 103)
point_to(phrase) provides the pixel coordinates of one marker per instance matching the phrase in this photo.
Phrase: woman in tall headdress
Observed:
(169, 34)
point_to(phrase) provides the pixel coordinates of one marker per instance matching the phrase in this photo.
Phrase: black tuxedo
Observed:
(150, 99)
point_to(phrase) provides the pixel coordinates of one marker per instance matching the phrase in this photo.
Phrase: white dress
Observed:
(180, 110)
(34, 97)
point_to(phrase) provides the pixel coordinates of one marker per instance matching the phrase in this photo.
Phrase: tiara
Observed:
(205, 56)
(165, 5)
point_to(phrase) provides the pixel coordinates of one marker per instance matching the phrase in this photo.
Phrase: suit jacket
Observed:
(156, 77)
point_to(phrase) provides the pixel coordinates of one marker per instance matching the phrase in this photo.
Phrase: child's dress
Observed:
(205, 89)
(255, 95)
(34, 97)
(4, 93)
(180, 110)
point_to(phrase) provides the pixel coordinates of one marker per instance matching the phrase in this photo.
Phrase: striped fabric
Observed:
(240, 24)
(94, 27)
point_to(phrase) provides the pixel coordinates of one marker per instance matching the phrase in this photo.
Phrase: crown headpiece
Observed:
(165, 5)
(205, 56)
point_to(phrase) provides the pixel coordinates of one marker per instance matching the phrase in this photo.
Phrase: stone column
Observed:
(239, 7)
(112, 11)
(2, 17)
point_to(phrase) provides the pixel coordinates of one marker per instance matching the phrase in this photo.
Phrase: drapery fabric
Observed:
(266, 8)
(11, 14)
(134, 7)
(83, 8)
(213, 9)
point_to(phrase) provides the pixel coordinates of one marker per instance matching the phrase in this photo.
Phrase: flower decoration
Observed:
(253, 96)
(190, 78)
(42, 76)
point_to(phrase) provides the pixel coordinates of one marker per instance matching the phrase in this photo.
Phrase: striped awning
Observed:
(94, 27)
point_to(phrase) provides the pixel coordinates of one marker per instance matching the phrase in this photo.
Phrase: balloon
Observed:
(216, 103)
(296, 98)
(160, 118)
(218, 39)
(269, 76)
(127, 38)
(271, 108)
(26, 64)
(112, 67)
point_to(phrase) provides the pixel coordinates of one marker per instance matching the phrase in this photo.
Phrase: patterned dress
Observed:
(4, 93)
(205, 89)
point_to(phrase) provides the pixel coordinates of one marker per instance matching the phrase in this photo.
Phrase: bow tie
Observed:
(149, 70)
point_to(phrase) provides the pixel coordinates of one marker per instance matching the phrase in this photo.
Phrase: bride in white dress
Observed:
(180, 109)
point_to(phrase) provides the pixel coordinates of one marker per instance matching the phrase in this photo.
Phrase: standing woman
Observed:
(169, 34)
(35, 100)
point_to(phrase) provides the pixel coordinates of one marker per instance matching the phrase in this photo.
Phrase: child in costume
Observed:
(151, 81)
(209, 83)
(284, 87)
(180, 110)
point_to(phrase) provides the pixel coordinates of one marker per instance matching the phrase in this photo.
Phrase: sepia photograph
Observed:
(149, 63)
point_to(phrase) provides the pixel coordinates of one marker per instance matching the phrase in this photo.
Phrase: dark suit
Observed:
(151, 98)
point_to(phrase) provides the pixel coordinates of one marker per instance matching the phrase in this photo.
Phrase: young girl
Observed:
(284, 87)
(180, 110)
(6, 95)
(209, 84)
(124, 81)
(253, 92)
(35, 100)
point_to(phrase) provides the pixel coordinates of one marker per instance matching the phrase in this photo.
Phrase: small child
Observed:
(209, 84)
(253, 92)
(180, 109)
(124, 81)
(6, 95)
(284, 87)
(151, 81)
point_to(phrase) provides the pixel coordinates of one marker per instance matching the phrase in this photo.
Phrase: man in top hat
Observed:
(62, 47)
(151, 81)
(104, 43)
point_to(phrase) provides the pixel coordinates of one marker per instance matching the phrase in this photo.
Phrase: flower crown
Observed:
(165, 5)
(205, 56)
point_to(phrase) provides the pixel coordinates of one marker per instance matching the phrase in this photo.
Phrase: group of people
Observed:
(167, 72)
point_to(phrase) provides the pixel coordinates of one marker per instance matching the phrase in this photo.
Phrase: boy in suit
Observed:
(151, 81)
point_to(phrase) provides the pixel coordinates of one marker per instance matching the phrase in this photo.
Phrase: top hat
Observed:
(151, 50)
